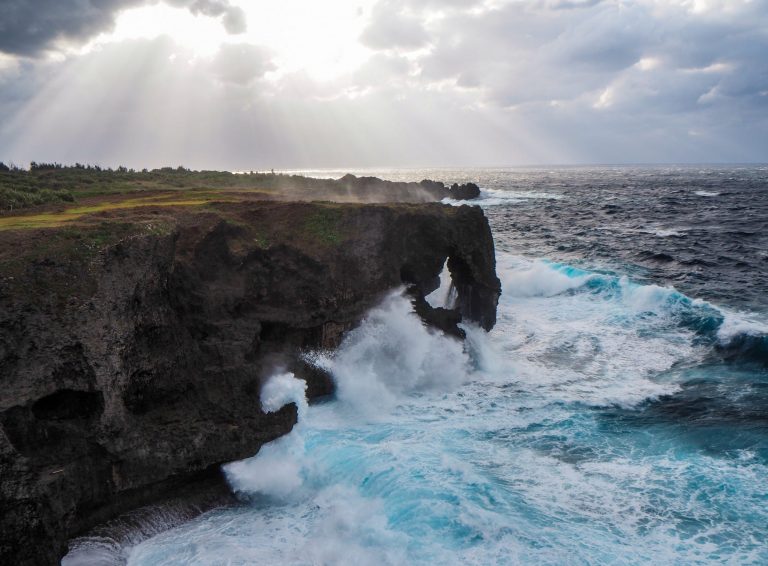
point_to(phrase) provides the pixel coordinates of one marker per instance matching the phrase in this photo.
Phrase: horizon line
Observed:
(413, 167)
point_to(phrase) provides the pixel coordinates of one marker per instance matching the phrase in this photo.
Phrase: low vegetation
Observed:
(51, 184)
(54, 211)
(323, 225)
(54, 183)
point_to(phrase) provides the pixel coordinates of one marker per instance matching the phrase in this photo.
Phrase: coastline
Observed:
(149, 350)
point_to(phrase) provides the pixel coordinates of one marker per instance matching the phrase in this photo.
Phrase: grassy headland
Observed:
(68, 214)
(51, 188)
(54, 183)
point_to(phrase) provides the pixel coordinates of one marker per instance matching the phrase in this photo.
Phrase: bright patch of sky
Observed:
(244, 84)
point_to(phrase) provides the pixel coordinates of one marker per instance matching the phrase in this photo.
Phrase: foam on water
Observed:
(538, 279)
(587, 330)
(735, 324)
(664, 233)
(496, 197)
(541, 442)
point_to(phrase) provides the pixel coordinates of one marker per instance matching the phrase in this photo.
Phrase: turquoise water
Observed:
(579, 431)
(617, 413)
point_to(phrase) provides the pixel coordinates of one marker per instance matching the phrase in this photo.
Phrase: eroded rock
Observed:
(135, 371)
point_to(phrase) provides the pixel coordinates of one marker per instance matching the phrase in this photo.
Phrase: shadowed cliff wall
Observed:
(132, 371)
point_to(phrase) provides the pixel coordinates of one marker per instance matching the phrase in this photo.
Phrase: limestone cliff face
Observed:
(139, 369)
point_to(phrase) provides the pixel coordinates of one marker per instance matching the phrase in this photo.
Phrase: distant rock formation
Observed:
(127, 374)
(350, 188)
(373, 189)
(464, 192)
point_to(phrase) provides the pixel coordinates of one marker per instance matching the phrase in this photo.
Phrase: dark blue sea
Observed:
(617, 414)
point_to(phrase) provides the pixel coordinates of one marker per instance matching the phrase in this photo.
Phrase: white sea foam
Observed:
(737, 323)
(276, 470)
(665, 233)
(485, 455)
(445, 295)
(586, 346)
(392, 354)
(707, 194)
(336, 526)
(539, 279)
(647, 298)
(496, 197)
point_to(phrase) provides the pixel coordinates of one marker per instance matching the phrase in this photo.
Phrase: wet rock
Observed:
(143, 368)
(468, 191)
(445, 320)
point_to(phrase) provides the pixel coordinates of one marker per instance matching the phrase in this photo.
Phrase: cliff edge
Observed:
(132, 356)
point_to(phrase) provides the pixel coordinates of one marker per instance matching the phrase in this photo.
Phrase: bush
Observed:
(11, 199)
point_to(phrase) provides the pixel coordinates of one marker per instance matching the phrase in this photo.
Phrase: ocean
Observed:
(616, 414)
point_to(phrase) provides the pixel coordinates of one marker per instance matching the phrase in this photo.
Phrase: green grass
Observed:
(323, 224)
(14, 199)
(23, 189)
(53, 219)
(263, 242)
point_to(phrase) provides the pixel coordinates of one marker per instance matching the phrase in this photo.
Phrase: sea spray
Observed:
(276, 470)
(541, 279)
(281, 390)
(393, 354)
(587, 431)
(559, 444)
(318, 482)
(390, 355)
(446, 295)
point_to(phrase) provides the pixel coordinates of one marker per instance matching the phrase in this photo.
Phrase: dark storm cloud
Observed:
(26, 26)
(30, 26)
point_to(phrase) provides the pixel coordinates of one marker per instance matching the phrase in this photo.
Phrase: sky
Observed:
(259, 84)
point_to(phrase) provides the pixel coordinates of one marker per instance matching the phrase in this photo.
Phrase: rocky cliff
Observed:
(130, 367)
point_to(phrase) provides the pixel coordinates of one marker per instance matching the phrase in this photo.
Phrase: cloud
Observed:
(233, 17)
(392, 28)
(241, 63)
(538, 52)
(28, 27)
(133, 103)
(381, 70)
(489, 82)
(572, 4)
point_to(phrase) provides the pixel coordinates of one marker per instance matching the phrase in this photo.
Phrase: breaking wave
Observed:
(549, 440)
(737, 335)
